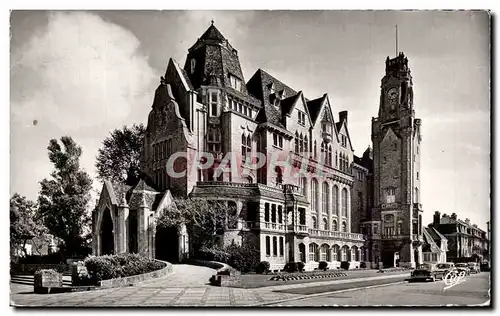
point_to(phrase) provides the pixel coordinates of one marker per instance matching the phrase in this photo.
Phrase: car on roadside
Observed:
(474, 267)
(463, 268)
(427, 271)
(447, 268)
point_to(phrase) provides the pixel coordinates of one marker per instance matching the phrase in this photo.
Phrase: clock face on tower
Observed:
(392, 94)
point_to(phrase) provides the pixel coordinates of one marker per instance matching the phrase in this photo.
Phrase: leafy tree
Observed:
(203, 219)
(63, 199)
(119, 157)
(24, 223)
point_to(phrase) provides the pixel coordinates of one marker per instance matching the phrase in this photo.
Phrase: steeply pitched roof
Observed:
(186, 77)
(259, 86)
(212, 33)
(436, 235)
(338, 125)
(286, 104)
(314, 107)
(430, 244)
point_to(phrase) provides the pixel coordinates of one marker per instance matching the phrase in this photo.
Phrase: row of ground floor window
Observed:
(325, 252)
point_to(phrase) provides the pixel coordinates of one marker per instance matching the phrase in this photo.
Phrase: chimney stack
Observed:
(437, 219)
(343, 116)
(467, 221)
(454, 216)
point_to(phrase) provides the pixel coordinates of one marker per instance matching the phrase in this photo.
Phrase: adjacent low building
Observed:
(466, 241)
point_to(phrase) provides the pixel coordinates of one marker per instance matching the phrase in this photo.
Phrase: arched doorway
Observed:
(107, 238)
(167, 244)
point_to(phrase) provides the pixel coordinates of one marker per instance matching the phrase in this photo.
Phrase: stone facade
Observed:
(310, 199)
(465, 240)
(394, 229)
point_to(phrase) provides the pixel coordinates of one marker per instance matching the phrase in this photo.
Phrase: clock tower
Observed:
(397, 238)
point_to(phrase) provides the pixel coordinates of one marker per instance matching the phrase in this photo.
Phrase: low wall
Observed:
(225, 274)
(30, 269)
(119, 282)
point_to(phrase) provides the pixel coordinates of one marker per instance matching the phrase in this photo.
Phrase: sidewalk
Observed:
(185, 287)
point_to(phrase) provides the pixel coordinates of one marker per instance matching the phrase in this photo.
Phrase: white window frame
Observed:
(212, 102)
(235, 82)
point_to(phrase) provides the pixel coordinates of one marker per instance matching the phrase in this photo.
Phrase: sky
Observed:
(86, 73)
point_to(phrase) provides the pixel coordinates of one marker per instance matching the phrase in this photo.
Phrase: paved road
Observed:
(474, 290)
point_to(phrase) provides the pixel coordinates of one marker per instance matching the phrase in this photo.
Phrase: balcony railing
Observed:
(297, 228)
(278, 188)
(264, 225)
(332, 234)
(274, 226)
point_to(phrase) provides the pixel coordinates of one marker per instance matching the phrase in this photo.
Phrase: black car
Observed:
(427, 271)
(463, 267)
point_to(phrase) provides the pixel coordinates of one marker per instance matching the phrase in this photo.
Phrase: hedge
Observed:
(119, 266)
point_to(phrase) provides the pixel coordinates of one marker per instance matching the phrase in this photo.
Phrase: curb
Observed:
(323, 294)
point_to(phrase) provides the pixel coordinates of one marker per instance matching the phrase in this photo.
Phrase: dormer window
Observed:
(235, 82)
(271, 88)
(193, 65)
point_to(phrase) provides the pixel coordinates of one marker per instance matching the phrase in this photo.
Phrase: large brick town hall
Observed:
(342, 207)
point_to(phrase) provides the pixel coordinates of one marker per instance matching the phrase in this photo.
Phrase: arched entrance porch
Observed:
(107, 234)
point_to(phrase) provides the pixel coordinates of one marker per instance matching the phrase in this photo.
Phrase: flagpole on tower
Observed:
(396, 40)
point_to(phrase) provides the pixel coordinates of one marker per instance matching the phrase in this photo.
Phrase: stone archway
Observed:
(167, 244)
(107, 233)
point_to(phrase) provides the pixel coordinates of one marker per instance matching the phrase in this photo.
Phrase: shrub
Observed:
(344, 265)
(119, 266)
(323, 265)
(362, 265)
(244, 258)
(263, 267)
(291, 267)
(300, 266)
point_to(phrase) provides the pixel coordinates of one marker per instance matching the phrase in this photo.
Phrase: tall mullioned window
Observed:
(326, 198)
(335, 200)
(213, 102)
(389, 225)
(344, 202)
(314, 196)
(214, 140)
(246, 147)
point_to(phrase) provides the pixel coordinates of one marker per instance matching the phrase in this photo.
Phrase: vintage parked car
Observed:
(447, 267)
(463, 267)
(427, 271)
(474, 267)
